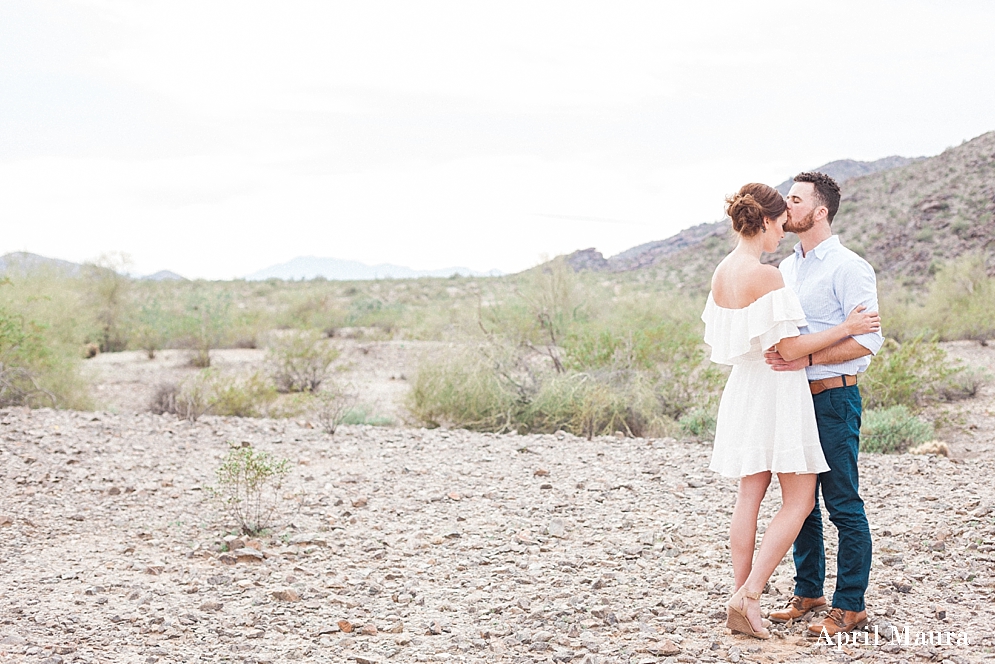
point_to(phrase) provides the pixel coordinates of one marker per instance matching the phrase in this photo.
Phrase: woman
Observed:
(766, 422)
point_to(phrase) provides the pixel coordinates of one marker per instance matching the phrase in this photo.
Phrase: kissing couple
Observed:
(797, 337)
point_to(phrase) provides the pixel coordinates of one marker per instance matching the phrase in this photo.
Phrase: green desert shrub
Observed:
(893, 430)
(957, 304)
(908, 374)
(248, 487)
(470, 390)
(364, 415)
(108, 294)
(212, 393)
(589, 404)
(206, 322)
(23, 357)
(961, 301)
(251, 396)
(332, 406)
(43, 323)
(699, 423)
(300, 361)
(153, 328)
(964, 383)
(372, 312)
(561, 353)
(462, 388)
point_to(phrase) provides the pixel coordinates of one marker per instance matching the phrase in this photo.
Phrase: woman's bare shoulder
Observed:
(769, 278)
(737, 286)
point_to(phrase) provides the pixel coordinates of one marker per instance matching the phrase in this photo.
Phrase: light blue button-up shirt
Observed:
(831, 281)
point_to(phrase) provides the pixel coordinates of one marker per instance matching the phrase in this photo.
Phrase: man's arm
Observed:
(841, 351)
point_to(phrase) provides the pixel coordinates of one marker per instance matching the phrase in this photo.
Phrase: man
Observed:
(830, 281)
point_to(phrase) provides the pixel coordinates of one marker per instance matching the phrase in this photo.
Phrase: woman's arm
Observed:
(858, 322)
(841, 351)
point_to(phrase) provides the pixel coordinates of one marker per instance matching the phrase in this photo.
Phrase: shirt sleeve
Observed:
(856, 285)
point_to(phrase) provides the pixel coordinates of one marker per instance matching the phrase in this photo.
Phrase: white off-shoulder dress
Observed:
(766, 420)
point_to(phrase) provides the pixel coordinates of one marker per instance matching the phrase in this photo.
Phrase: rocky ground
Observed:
(407, 545)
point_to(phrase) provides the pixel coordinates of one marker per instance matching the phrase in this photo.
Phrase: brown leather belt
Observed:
(820, 386)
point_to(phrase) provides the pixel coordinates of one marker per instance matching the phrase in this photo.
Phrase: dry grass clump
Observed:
(936, 447)
(892, 430)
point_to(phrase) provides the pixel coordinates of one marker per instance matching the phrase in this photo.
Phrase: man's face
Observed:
(802, 204)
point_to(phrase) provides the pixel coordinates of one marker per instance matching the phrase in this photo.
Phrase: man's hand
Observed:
(778, 363)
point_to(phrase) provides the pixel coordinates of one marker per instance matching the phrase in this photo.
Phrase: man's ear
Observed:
(821, 213)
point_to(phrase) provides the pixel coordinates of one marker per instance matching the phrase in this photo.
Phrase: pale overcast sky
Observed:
(217, 138)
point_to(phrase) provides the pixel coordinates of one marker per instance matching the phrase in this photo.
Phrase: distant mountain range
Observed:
(903, 215)
(311, 267)
(302, 267)
(23, 261)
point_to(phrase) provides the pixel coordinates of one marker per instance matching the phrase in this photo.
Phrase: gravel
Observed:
(410, 545)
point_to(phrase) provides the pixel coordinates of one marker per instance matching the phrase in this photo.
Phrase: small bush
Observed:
(892, 430)
(300, 361)
(589, 405)
(462, 389)
(360, 415)
(108, 289)
(964, 383)
(248, 487)
(152, 329)
(909, 374)
(698, 423)
(165, 399)
(375, 314)
(43, 324)
(332, 406)
(471, 391)
(962, 299)
(205, 323)
(22, 355)
(252, 396)
(212, 393)
(194, 397)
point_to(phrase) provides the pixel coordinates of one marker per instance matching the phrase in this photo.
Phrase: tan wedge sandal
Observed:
(736, 618)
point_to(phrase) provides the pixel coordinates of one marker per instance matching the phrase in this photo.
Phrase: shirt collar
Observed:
(822, 248)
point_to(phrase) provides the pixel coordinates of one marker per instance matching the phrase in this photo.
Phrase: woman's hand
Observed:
(859, 322)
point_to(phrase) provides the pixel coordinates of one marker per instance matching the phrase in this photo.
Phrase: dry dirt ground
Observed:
(408, 545)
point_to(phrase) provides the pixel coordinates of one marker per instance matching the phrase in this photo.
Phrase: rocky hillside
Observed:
(847, 169)
(905, 220)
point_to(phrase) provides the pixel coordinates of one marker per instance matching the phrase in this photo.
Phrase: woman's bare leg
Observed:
(797, 501)
(743, 529)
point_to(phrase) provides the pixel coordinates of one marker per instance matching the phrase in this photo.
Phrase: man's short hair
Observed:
(825, 188)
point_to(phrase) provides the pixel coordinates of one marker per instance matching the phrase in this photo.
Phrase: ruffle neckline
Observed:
(736, 334)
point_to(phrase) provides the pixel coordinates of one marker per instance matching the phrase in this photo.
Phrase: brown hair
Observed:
(751, 204)
(826, 189)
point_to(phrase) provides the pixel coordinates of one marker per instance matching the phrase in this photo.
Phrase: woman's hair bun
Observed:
(749, 206)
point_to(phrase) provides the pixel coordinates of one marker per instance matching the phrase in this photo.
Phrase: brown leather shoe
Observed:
(838, 620)
(798, 607)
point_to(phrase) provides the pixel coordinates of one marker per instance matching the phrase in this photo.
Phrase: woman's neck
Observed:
(750, 246)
